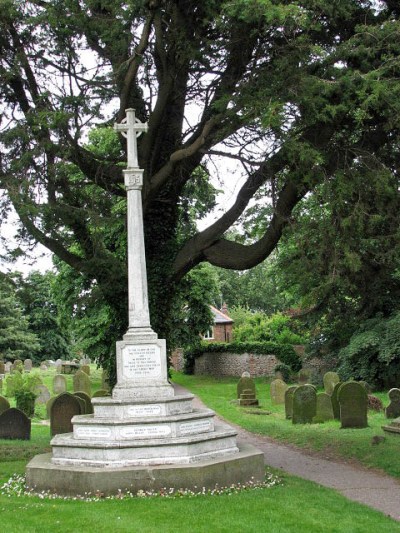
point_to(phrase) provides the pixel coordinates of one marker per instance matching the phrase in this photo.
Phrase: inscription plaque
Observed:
(92, 432)
(144, 432)
(141, 361)
(144, 410)
(198, 426)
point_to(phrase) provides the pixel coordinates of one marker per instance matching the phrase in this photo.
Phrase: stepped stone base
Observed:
(245, 465)
(394, 427)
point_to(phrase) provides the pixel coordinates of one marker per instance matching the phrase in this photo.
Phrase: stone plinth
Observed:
(393, 427)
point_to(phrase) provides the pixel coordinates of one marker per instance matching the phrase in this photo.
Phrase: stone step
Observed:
(174, 450)
(88, 427)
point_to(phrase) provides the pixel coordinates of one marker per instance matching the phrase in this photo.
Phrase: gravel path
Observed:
(376, 490)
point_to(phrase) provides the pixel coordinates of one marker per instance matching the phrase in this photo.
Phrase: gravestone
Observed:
(277, 391)
(353, 401)
(101, 393)
(82, 382)
(7, 367)
(43, 366)
(304, 376)
(28, 365)
(64, 407)
(324, 408)
(330, 380)
(88, 404)
(59, 384)
(4, 404)
(248, 397)
(43, 394)
(393, 409)
(335, 401)
(14, 424)
(86, 369)
(245, 383)
(304, 404)
(49, 404)
(2, 367)
(289, 401)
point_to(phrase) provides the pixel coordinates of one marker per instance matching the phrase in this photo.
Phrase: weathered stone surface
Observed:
(304, 376)
(353, 401)
(101, 393)
(324, 408)
(304, 404)
(4, 404)
(86, 369)
(335, 401)
(2, 367)
(7, 367)
(245, 383)
(277, 391)
(43, 366)
(43, 394)
(248, 397)
(289, 401)
(393, 409)
(59, 384)
(63, 408)
(86, 398)
(28, 365)
(330, 380)
(366, 386)
(14, 424)
(82, 382)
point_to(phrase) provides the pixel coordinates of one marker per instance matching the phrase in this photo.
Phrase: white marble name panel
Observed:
(144, 410)
(197, 426)
(145, 431)
(141, 361)
(92, 432)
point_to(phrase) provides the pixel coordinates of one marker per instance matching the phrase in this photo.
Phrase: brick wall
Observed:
(228, 364)
(177, 361)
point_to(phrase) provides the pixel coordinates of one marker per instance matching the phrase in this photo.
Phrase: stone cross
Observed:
(131, 128)
(139, 318)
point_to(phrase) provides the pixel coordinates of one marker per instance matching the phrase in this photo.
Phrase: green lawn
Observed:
(293, 505)
(327, 438)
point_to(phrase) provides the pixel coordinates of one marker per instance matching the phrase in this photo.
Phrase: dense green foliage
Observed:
(284, 352)
(16, 339)
(303, 96)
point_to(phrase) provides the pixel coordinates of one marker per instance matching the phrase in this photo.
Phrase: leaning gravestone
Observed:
(28, 365)
(59, 384)
(304, 404)
(330, 380)
(82, 382)
(64, 407)
(335, 401)
(14, 424)
(277, 391)
(88, 404)
(2, 367)
(353, 401)
(4, 404)
(393, 409)
(245, 384)
(43, 394)
(289, 401)
(324, 408)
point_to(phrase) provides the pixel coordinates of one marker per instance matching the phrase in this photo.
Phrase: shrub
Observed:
(284, 370)
(26, 402)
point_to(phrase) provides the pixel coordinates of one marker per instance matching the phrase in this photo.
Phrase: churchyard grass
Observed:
(327, 438)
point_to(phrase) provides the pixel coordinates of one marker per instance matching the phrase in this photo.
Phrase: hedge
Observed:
(284, 352)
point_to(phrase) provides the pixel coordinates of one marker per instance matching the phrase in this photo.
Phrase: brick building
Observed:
(221, 331)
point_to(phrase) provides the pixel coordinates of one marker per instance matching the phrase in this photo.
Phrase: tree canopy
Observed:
(298, 93)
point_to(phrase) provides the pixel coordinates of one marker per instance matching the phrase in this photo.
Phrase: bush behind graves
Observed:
(22, 382)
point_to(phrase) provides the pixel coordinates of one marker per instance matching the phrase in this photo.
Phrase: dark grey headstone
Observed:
(393, 409)
(289, 401)
(324, 408)
(14, 424)
(4, 404)
(277, 391)
(335, 401)
(330, 380)
(64, 407)
(304, 404)
(59, 384)
(82, 382)
(245, 384)
(353, 401)
(86, 398)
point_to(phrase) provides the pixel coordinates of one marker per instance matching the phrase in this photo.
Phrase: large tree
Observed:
(296, 92)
